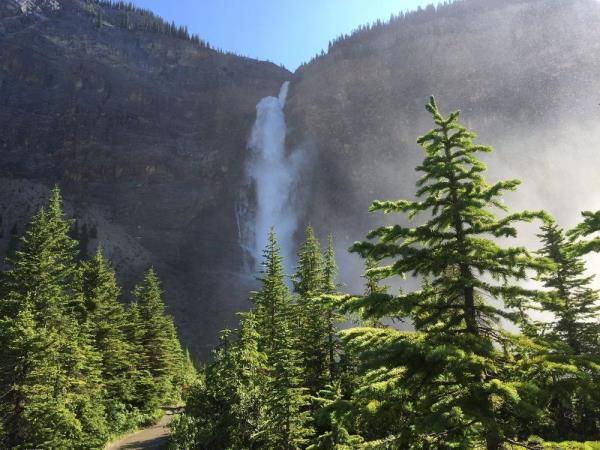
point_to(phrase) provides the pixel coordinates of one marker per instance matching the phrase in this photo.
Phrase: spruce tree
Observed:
(334, 418)
(568, 365)
(144, 398)
(272, 299)
(226, 409)
(311, 314)
(570, 298)
(161, 352)
(251, 374)
(308, 279)
(457, 390)
(332, 317)
(50, 371)
(285, 398)
(107, 321)
(586, 233)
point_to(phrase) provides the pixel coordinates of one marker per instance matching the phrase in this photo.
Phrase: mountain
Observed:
(145, 128)
(524, 73)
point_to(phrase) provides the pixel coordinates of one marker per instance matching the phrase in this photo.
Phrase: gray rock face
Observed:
(525, 73)
(146, 132)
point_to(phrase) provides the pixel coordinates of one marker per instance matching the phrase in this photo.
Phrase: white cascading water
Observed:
(271, 175)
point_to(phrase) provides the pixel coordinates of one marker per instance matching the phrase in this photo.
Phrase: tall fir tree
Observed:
(105, 316)
(50, 371)
(311, 310)
(285, 398)
(226, 409)
(569, 341)
(570, 298)
(161, 354)
(271, 302)
(331, 315)
(458, 392)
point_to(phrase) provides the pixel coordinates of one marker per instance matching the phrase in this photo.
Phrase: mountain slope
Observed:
(144, 130)
(523, 72)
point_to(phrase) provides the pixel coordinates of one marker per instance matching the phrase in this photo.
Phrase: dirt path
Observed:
(153, 438)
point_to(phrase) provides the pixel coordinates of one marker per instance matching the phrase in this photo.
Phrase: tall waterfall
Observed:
(271, 175)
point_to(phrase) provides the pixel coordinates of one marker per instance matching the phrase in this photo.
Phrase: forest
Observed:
(77, 367)
(496, 349)
(314, 368)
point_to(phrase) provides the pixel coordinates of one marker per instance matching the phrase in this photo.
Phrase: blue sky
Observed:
(287, 32)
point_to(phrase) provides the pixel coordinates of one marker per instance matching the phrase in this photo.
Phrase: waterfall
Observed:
(271, 175)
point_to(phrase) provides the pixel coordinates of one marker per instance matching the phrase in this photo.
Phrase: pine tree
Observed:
(273, 297)
(107, 321)
(336, 416)
(145, 397)
(586, 233)
(285, 398)
(332, 317)
(571, 299)
(209, 421)
(308, 279)
(161, 352)
(567, 364)
(251, 377)
(311, 314)
(50, 371)
(457, 389)
(225, 410)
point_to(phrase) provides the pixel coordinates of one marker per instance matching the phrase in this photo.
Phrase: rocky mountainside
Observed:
(525, 74)
(145, 129)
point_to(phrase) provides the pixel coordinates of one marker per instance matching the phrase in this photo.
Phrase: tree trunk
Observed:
(470, 313)
(493, 441)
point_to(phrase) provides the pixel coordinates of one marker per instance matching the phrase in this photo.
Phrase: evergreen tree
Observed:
(311, 314)
(332, 317)
(585, 234)
(567, 365)
(107, 321)
(50, 371)
(272, 301)
(161, 352)
(335, 416)
(570, 298)
(457, 388)
(226, 410)
(145, 397)
(285, 398)
(308, 279)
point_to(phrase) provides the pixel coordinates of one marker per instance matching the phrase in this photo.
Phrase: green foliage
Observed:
(459, 380)
(457, 390)
(251, 394)
(68, 376)
(106, 319)
(567, 365)
(314, 315)
(160, 354)
(50, 372)
(569, 298)
(225, 409)
(571, 445)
